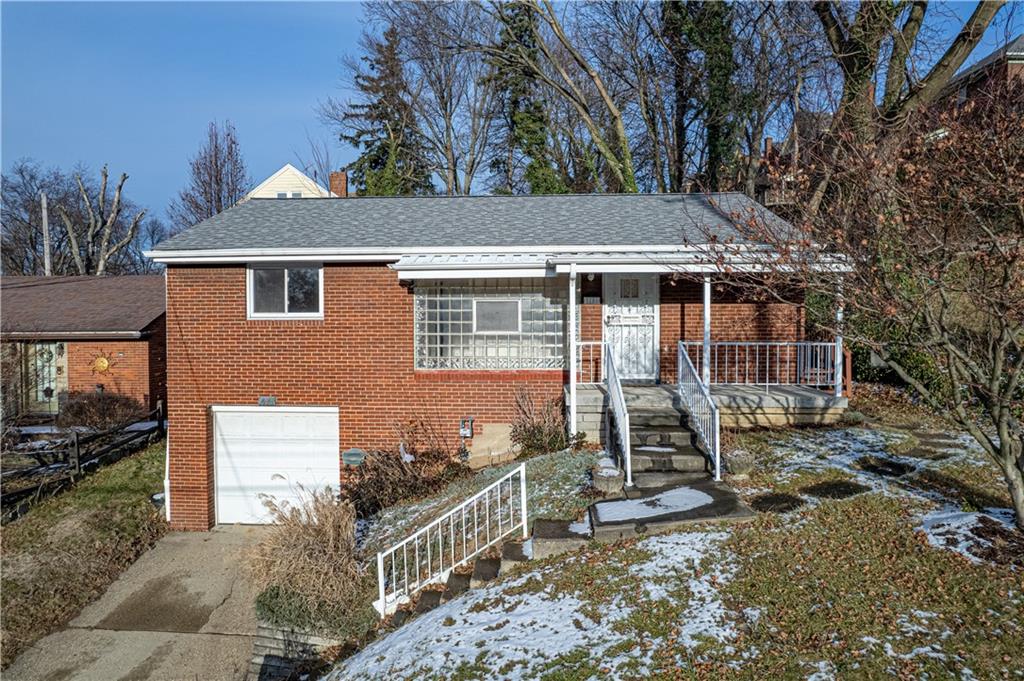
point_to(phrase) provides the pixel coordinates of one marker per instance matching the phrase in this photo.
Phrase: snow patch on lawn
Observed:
(948, 527)
(514, 630)
(671, 501)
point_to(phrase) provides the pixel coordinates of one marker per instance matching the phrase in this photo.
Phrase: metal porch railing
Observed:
(429, 555)
(806, 363)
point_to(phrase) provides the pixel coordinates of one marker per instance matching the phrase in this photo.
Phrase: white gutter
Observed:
(60, 335)
(389, 254)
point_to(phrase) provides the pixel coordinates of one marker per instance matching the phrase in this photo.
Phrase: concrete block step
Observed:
(646, 418)
(457, 583)
(484, 571)
(512, 554)
(554, 537)
(685, 459)
(659, 435)
(428, 600)
(662, 479)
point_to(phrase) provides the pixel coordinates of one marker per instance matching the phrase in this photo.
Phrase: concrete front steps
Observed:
(484, 569)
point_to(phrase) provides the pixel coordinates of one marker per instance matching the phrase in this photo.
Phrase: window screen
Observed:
(490, 324)
(496, 316)
(285, 290)
(629, 288)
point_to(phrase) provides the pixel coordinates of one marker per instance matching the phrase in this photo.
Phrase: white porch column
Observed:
(706, 363)
(572, 349)
(839, 341)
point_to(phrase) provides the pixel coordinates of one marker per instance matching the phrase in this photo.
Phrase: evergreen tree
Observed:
(525, 114)
(384, 128)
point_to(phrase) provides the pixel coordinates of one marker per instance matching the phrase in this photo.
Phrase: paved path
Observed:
(183, 611)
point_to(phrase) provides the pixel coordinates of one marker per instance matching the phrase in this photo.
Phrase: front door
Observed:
(631, 324)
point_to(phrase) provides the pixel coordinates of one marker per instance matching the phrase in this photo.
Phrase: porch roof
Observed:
(535, 264)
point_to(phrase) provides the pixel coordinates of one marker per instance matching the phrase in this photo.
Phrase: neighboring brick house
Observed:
(300, 329)
(995, 69)
(80, 334)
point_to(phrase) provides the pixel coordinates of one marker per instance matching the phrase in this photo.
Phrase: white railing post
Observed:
(716, 430)
(572, 349)
(706, 369)
(380, 579)
(522, 499)
(839, 342)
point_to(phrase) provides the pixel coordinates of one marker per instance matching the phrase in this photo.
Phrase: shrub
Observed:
(100, 410)
(308, 569)
(386, 478)
(540, 428)
(426, 461)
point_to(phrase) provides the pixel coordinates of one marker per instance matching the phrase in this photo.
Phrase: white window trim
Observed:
(249, 301)
(519, 316)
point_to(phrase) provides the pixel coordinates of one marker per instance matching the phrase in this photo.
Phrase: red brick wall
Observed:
(733, 318)
(359, 358)
(129, 372)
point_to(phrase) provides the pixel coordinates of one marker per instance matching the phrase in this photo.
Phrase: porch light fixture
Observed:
(466, 427)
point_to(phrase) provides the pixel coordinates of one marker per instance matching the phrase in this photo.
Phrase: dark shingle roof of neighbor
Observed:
(470, 221)
(51, 306)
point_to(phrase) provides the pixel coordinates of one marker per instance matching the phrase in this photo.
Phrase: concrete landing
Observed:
(666, 509)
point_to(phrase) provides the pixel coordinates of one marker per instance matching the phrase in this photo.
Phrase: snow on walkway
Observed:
(672, 501)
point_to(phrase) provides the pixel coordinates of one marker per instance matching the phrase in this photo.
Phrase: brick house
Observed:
(62, 335)
(300, 329)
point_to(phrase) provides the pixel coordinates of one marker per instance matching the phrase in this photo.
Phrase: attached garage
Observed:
(271, 451)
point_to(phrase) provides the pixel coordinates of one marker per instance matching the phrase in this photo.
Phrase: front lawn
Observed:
(68, 549)
(876, 570)
(557, 486)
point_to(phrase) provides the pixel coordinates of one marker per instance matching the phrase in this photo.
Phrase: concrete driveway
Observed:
(184, 610)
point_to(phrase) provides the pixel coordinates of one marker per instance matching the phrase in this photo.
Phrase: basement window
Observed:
(285, 292)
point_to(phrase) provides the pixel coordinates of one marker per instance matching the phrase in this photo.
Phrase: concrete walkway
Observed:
(184, 610)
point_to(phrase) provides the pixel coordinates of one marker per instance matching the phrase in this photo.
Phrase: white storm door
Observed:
(631, 324)
(274, 452)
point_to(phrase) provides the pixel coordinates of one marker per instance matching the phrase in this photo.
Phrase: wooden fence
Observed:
(74, 458)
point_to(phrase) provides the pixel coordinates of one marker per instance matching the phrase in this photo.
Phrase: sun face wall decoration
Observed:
(101, 364)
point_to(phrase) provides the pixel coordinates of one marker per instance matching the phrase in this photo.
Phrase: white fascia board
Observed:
(393, 253)
(481, 273)
(691, 267)
(72, 335)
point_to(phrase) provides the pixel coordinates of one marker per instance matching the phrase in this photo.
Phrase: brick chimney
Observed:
(767, 147)
(339, 183)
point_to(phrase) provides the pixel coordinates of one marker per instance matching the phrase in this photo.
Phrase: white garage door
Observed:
(271, 451)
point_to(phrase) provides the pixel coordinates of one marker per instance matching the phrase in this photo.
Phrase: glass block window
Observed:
(490, 324)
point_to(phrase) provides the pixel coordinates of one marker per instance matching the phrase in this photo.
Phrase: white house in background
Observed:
(288, 183)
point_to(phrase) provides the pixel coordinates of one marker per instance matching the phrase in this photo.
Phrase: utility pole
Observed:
(46, 236)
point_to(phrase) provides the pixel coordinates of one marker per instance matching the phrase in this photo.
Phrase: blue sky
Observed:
(134, 85)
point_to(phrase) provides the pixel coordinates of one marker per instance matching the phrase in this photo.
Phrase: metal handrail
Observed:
(703, 411)
(617, 406)
(766, 362)
(430, 554)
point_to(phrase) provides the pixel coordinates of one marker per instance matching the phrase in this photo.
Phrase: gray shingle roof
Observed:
(472, 221)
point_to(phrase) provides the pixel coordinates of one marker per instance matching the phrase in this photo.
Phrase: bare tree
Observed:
(101, 236)
(931, 225)
(218, 178)
(22, 229)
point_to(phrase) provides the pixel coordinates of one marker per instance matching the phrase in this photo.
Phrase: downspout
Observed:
(167, 478)
(572, 349)
(167, 434)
